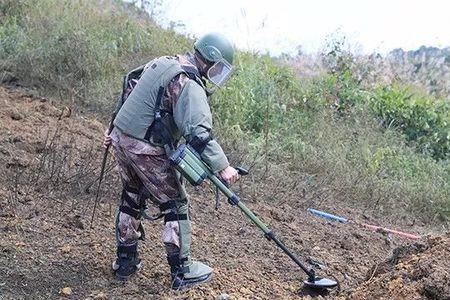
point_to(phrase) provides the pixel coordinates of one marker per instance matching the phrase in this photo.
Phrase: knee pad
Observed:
(117, 233)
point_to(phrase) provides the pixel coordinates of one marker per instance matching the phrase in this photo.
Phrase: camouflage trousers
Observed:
(143, 165)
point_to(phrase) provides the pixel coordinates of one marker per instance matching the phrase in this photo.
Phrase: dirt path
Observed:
(46, 244)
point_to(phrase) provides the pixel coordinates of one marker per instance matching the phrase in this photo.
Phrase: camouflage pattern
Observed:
(143, 164)
(151, 169)
(176, 85)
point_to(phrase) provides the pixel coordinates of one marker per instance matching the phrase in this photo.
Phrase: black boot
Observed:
(127, 262)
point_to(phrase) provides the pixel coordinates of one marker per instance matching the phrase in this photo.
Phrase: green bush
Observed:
(423, 119)
(259, 96)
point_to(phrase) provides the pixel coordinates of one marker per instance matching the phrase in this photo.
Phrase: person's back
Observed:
(136, 115)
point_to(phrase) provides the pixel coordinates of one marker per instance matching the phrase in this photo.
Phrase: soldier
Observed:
(167, 102)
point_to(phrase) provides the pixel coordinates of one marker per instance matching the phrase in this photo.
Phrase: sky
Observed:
(282, 25)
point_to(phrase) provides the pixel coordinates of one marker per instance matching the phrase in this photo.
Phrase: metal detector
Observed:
(190, 165)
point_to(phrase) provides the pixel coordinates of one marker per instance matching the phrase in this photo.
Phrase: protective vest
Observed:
(136, 115)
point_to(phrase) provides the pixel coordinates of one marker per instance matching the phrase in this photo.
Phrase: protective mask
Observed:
(219, 72)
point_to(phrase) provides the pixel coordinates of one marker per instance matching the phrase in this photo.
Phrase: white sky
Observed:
(281, 25)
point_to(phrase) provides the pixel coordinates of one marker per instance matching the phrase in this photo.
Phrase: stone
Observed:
(65, 249)
(100, 296)
(67, 291)
(223, 296)
(15, 115)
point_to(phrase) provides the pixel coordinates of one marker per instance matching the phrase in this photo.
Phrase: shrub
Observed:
(423, 119)
(258, 96)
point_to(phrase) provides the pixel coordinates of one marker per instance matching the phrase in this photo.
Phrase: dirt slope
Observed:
(48, 251)
(418, 271)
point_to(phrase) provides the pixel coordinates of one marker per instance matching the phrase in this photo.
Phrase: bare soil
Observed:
(49, 159)
(417, 271)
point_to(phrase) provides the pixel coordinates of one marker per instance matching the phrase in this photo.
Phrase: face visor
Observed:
(219, 72)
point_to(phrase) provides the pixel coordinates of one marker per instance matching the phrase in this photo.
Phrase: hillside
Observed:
(365, 137)
(47, 245)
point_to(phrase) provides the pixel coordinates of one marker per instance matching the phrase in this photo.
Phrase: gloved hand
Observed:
(107, 141)
(229, 175)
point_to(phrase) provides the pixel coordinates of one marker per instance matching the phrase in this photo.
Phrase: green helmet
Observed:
(215, 46)
(217, 49)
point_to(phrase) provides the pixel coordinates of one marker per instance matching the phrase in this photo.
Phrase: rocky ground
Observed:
(49, 158)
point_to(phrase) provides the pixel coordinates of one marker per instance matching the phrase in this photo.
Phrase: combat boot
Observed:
(186, 273)
(127, 262)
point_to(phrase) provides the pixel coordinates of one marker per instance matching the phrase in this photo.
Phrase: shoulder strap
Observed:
(193, 74)
(156, 115)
